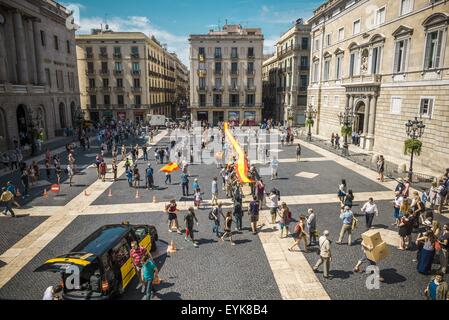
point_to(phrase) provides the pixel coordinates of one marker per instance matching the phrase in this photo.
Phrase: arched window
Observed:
(435, 27)
(3, 132)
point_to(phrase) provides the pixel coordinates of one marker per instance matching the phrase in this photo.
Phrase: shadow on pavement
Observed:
(340, 274)
(391, 276)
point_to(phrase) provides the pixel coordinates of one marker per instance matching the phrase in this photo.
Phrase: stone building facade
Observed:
(388, 62)
(286, 76)
(126, 76)
(38, 76)
(226, 75)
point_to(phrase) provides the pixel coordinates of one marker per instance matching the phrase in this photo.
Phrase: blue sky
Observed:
(172, 21)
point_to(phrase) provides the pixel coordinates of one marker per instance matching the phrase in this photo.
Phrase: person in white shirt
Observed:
(325, 254)
(273, 204)
(370, 209)
(274, 168)
(52, 293)
(397, 203)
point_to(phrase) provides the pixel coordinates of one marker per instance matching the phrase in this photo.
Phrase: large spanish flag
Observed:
(242, 163)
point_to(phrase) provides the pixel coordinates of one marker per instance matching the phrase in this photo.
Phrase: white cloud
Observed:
(175, 43)
(269, 45)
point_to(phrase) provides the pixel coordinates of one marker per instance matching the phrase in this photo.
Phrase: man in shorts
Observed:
(172, 212)
(254, 214)
(137, 253)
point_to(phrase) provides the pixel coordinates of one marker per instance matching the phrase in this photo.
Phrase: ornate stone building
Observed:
(126, 75)
(388, 62)
(286, 75)
(38, 75)
(226, 75)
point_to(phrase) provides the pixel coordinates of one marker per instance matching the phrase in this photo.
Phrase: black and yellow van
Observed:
(102, 261)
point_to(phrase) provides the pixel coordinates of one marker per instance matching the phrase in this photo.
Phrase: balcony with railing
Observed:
(251, 56)
(103, 55)
(136, 89)
(135, 55)
(363, 78)
(218, 72)
(304, 67)
(117, 56)
(90, 72)
(89, 55)
(234, 72)
(218, 89)
(136, 72)
(119, 89)
(251, 88)
(118, 72)
(250, 72)
(234, 56)
(234, 89)
(202, 73)
(218, 57)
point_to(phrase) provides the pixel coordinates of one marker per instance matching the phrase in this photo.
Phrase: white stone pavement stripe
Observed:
(28, 247)
(292, 160)
(291, 270)
(227, 203)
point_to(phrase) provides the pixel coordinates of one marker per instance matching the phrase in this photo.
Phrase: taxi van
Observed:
(100, 267)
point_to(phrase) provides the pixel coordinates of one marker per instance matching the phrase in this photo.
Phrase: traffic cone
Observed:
(154, 199)
(85, 193)
(45, 193)
(137, 194)
(110, 193)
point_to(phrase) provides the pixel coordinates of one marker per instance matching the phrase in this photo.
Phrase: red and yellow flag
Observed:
(170, 167)
(242, 163)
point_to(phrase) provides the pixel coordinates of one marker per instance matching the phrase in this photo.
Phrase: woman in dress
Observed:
(427, 253)
(300, 235)
(228, 228)
(342, 190)
(403, 227)
(349, 199)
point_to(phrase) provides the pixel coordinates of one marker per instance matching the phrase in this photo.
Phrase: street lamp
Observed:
(415, 130)
(311, 115)
(346, 120)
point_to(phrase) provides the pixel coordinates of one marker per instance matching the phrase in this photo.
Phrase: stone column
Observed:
(3, 69)
(41, 79)
(11, 45)
(372, 124)
(366, 121)
(31, 52)
(22, 63)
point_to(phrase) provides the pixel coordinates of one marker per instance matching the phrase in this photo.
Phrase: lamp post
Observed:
(346, 120)
(311, 115)
(415, 130)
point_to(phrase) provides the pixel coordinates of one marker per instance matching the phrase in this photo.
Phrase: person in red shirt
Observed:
(137, 253)
(103, 168)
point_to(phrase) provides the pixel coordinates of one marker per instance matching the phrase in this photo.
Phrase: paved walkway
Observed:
(27, 248)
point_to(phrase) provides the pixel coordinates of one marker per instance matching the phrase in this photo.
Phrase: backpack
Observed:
(355, 223)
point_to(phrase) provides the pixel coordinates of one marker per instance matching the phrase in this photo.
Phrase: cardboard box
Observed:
(372, 238)
(379, 253)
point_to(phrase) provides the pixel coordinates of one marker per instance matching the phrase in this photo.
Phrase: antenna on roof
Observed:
(106, 21)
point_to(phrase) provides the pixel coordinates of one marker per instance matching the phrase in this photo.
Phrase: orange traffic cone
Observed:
(110, 193)
(85, 193)
(154, 199)
(45, 195)
(137, 194)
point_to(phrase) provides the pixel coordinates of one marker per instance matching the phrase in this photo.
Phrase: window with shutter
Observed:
(351, 64)
(438, 52)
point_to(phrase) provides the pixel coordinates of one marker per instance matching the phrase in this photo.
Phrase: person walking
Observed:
(260, 193)
(189, 220)
(149, 177)
(274, 164)
(216, 214)
(298, 152)
(337, 141)
(103, 169)
(172, 211)
(273, 204)
(70, 173)
(284, 215)
(137, 253)
(136, 177)
(195, 185)
(7, 198)
(443, 241)
(403, 227)
(149, 273)
(214, 191)
(364, 259)
(349, 199)
(342, 191)
(197, 198)
(145, 152)
(381, 168)
(238, 215)
(253, 210)
(325, 253)
(114, 168)
(185, 184)
(311, 227)
(129, 176)
(347, 217)
(370, 209)
(300, 235)
(228, 228)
